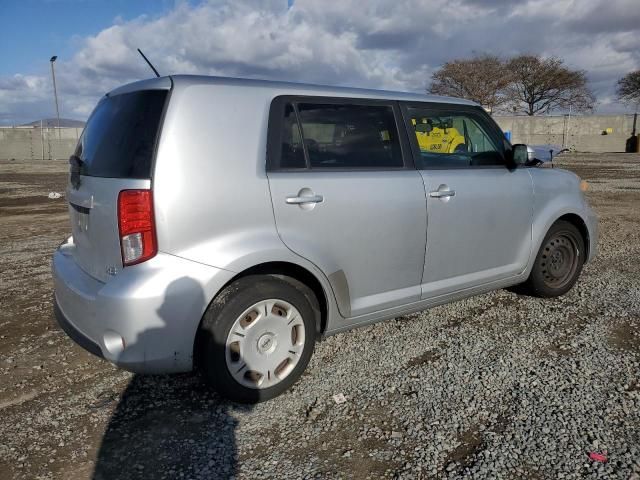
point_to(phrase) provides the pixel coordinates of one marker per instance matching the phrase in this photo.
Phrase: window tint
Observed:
(119, 138)
(453, 139)
(349, 136)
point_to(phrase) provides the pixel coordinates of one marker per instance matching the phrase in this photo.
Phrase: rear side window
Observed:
(291, 154)
(120, 137)
(337, 136)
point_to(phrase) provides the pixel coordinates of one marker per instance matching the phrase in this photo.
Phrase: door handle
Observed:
(301, 200)
(442, 193)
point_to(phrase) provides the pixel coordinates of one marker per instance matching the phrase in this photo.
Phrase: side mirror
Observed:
(520, 154)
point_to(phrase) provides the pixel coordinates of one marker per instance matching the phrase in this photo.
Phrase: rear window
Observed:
(120, 137)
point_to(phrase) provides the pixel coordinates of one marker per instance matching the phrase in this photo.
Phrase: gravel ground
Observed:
(495, 386)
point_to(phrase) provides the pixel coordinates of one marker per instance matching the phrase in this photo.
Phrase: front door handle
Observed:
(301, 200)
(443, 192)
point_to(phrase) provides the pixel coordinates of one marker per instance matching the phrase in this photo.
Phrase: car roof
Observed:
(292, 88)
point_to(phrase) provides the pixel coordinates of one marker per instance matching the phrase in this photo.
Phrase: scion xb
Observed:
(230, 224)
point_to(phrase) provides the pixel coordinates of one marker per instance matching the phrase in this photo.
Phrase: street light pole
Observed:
(55, 91)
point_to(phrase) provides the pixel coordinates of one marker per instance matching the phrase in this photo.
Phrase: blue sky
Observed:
(31, 31)
(388, 44)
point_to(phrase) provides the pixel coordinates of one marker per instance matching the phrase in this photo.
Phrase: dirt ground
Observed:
(66, 414)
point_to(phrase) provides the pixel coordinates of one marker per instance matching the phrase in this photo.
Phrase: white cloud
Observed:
(380, 44)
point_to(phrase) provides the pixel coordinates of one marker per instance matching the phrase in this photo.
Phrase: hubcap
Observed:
(265, 343)
(559, 260)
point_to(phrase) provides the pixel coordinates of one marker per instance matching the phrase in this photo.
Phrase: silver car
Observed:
(229, 224)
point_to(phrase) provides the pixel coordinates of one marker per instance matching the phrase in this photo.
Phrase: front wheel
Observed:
(558, 263)
(258, 336)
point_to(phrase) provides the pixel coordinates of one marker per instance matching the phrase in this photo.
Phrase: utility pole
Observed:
(42, 139)
(55, 91)
(568, 123)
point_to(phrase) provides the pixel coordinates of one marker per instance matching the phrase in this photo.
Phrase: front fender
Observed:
(556, 194)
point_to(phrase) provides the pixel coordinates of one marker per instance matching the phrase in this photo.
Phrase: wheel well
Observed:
(299, 273)
(577, 222)
(279, 268)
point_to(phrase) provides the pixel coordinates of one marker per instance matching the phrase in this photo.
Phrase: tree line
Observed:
(525, 84)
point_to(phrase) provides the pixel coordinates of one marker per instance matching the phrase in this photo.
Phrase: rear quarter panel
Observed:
(211, 194)
(212, 200)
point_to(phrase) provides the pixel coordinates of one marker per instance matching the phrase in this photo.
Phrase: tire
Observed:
(558, 263)
(258, 336)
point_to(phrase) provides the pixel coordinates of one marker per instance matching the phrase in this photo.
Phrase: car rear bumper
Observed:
(75, 334)
(145, 318)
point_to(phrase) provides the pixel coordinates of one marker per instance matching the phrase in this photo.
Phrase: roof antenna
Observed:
(149, 63)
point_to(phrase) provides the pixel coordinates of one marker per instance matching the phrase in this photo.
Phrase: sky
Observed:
(387, 44)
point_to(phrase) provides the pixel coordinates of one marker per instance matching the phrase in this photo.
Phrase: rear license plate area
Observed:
(80, 217)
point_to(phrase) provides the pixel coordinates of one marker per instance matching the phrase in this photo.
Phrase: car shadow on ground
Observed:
(169, 427)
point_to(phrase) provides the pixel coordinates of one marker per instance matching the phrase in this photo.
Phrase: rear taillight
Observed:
(136, 225)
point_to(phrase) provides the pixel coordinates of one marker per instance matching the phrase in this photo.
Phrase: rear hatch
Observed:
(114, 153)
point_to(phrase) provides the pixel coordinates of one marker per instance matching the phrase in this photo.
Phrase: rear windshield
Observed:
(120, 136)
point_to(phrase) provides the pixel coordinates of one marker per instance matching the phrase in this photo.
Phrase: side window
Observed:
(350, 136)
(291, 153)
(334, 135)
(449, 139)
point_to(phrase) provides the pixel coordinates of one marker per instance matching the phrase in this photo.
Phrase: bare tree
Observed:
(482, 78)
(629, 88)
(540, 85)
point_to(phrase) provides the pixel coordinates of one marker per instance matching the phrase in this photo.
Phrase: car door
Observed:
(479, 212)
(347, 198)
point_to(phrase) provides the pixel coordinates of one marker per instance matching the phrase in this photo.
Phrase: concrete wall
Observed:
(580, 133)
(26, 143)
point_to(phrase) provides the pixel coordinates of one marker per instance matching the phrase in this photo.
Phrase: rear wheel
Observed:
(558, 263)
(258, 336)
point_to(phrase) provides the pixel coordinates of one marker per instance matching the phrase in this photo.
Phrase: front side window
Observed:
(449, 139)
(341, 135)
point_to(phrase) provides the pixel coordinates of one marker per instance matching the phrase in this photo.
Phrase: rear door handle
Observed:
(442, 193)
(304, 199)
